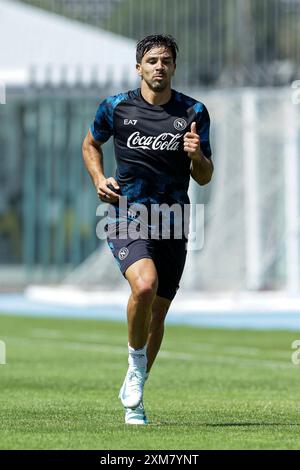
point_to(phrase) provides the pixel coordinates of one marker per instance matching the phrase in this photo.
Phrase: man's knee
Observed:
(144, 288)
(142, 277)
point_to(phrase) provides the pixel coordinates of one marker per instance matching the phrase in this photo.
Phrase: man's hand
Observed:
(191, 141)
(105, 191)
(201, 167)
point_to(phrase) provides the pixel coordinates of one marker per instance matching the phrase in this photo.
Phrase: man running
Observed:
(161, 137)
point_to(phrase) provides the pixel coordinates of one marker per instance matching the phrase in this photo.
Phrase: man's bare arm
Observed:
(202, 170)
(93, 160)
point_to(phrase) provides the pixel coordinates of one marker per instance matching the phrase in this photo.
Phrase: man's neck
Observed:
(155, 98)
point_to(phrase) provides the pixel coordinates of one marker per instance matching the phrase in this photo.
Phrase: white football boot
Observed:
(136, 415)
(131, 392)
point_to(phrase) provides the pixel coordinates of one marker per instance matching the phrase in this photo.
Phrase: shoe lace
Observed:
(135, 380)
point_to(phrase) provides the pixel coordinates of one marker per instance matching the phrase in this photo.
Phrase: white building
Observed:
(57, 47)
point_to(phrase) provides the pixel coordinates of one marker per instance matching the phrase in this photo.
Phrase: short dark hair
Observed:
(154, 40)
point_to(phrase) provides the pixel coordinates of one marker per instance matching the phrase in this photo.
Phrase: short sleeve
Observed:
(102, 127)
(203, 126)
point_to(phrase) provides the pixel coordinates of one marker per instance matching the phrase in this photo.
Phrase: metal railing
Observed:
(48, 204)
(222, 43)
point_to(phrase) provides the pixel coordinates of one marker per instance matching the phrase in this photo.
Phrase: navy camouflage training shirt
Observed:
(152, 167)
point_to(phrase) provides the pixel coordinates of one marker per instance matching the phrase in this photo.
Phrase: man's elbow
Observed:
(205, 180)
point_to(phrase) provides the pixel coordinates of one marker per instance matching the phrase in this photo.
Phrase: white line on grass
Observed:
(96, 347)
(202, 359)
(210, 347)
(215, 348)
(52, 334)
(46, 333)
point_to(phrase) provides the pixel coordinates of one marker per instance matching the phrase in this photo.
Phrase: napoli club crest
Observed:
(123, 253)
(180, 124)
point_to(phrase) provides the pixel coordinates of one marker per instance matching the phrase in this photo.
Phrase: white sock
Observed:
(137, 357)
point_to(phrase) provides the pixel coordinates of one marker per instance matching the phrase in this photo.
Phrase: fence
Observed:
(222, 43)
(47, 211)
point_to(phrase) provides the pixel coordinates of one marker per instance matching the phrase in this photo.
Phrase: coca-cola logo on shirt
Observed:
(164, 141)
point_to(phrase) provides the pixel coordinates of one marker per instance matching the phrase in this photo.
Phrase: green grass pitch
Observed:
(209, 389)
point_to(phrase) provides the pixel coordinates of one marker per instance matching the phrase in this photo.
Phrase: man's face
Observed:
(157, 68)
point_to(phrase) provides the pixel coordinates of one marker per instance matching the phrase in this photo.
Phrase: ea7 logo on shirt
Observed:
(180, 124)
(130, 121)
(123, 253)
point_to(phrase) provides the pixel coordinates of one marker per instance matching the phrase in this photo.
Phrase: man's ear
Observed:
(138, 69)
(174, 69)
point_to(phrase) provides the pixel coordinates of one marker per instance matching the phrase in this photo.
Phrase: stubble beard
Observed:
(157, 86)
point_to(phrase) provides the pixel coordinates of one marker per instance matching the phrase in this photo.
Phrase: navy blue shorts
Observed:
(168, 256)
